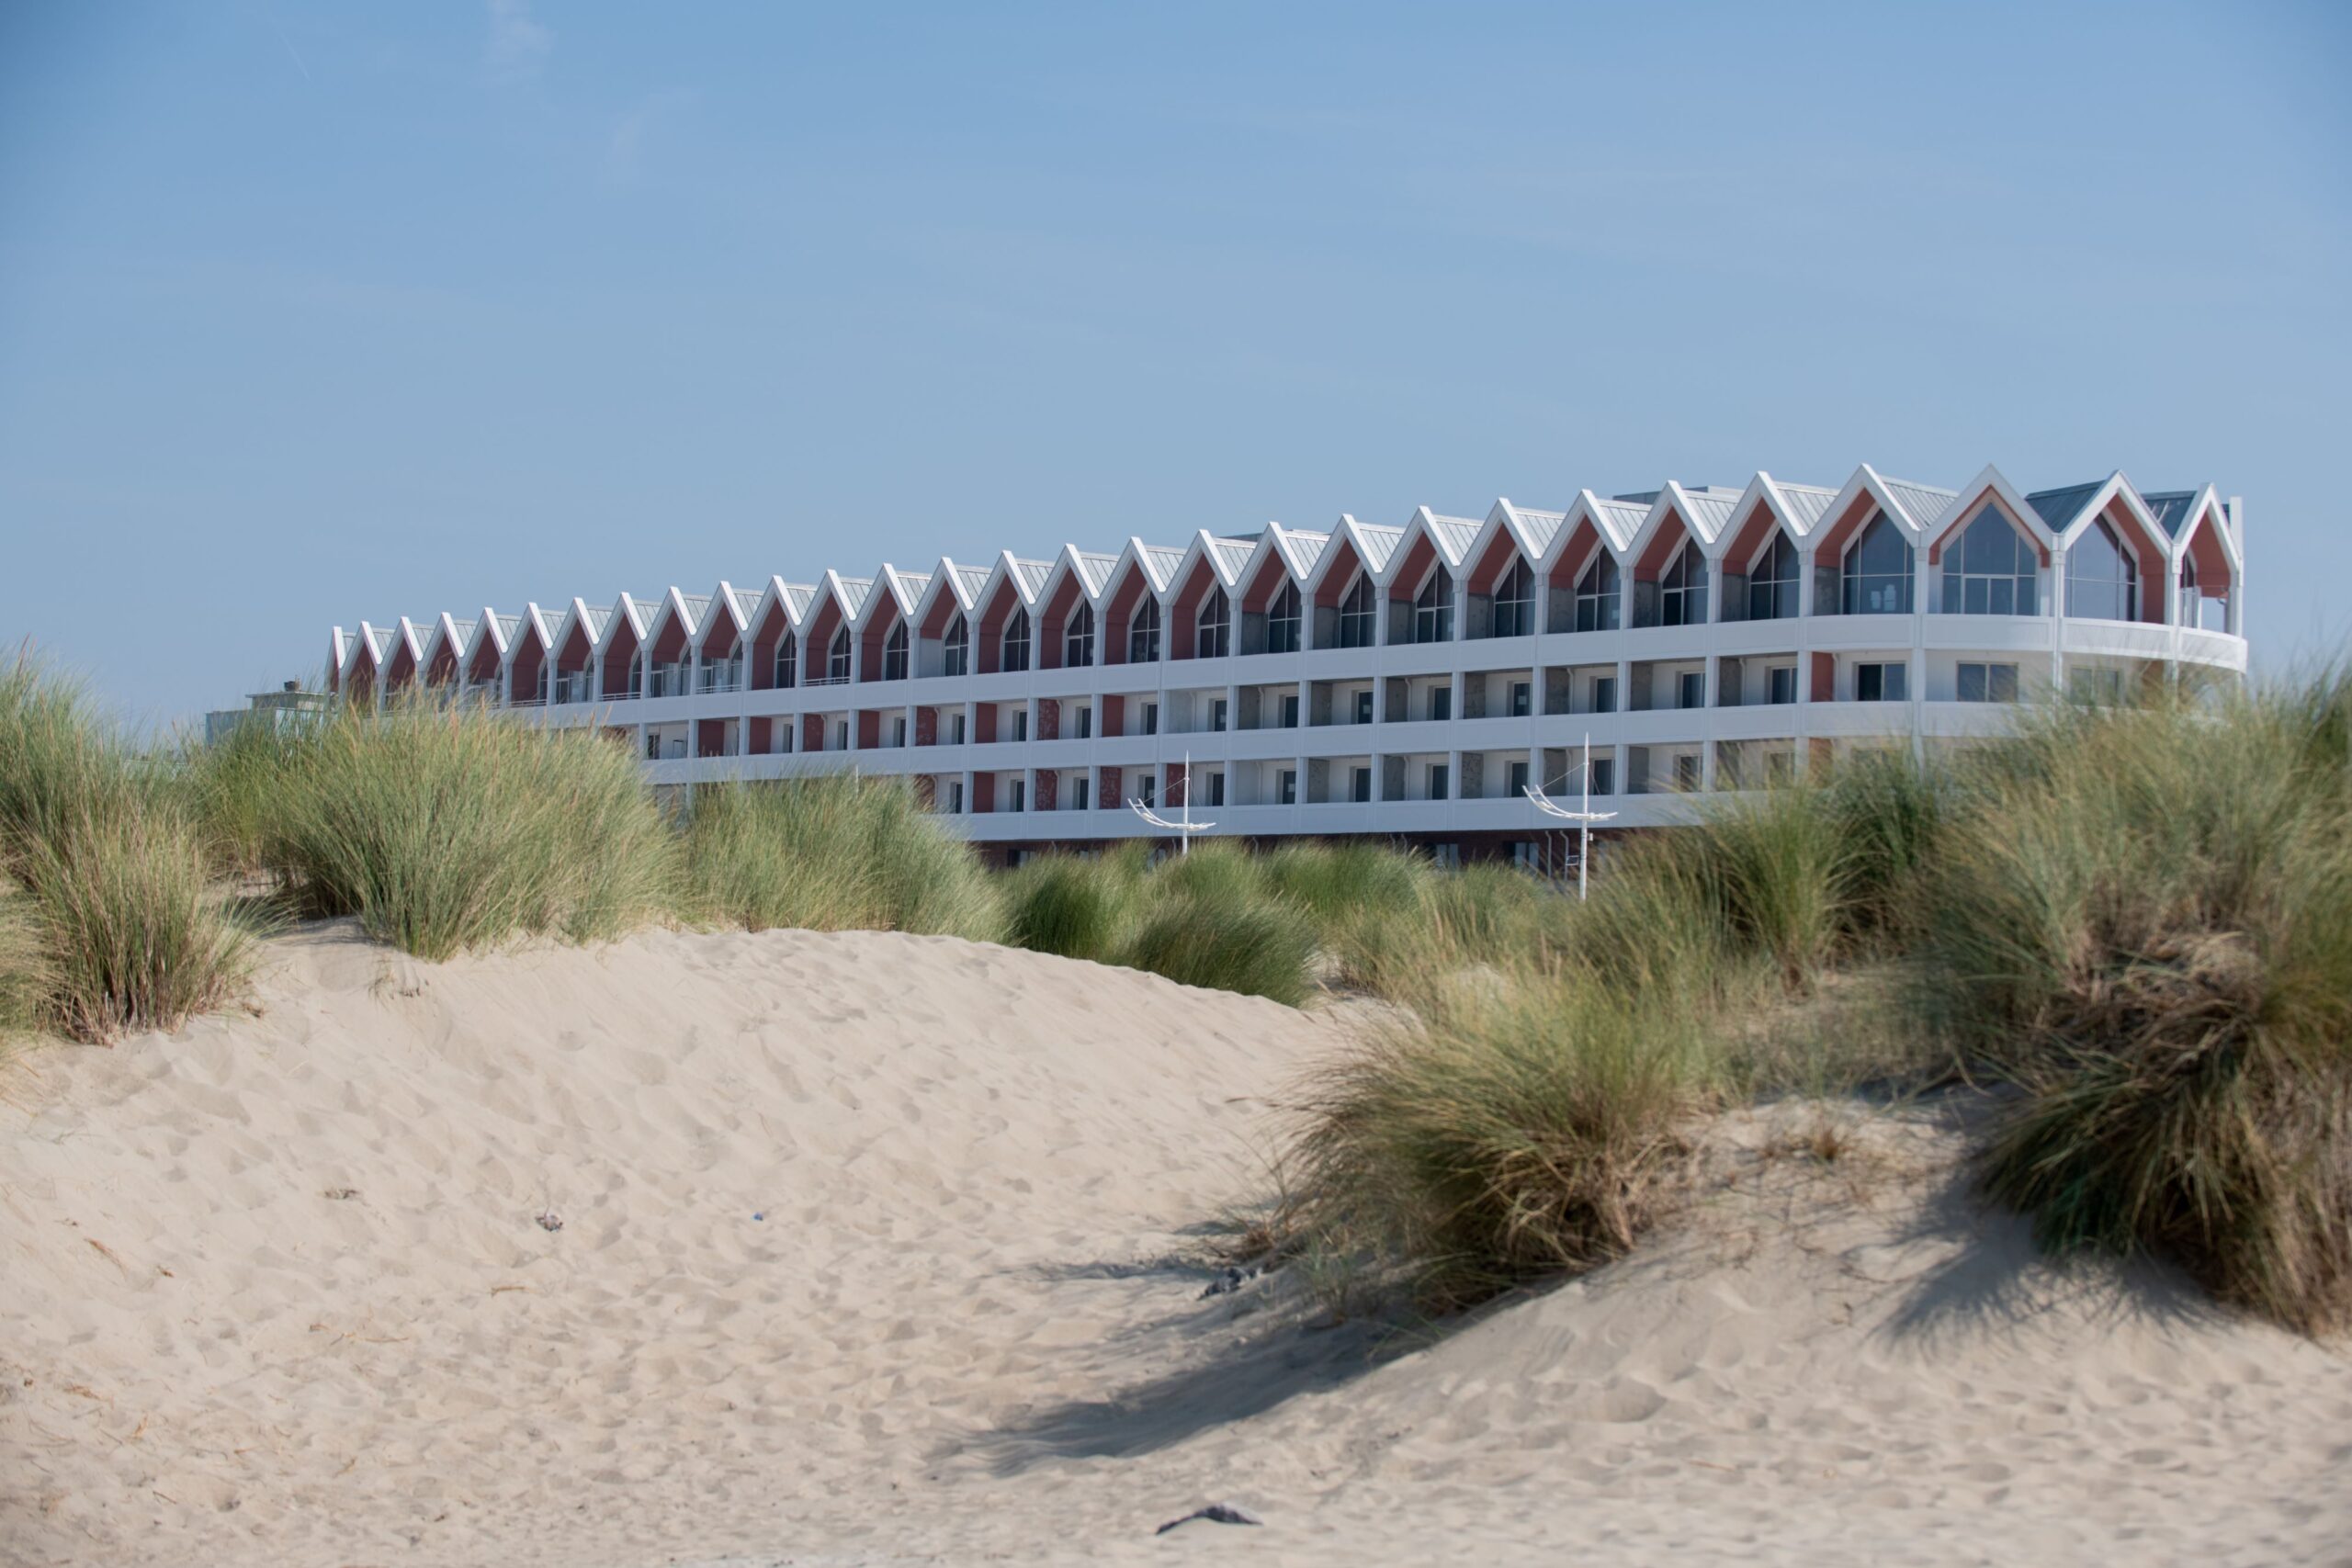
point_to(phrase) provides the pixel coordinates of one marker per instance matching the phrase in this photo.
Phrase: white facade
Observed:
(1397, 681)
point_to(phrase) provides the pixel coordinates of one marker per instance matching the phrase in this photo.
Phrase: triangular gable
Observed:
(671, 632)
(1676, 513)
(445, 649)
(1766, 504)
(1508, 530)
(952, 591)
(1268, 568)
(1912, 508)
(486, 650)
(1133, 578)
(578, 628)
(1353, 546)
(1989, 485)
(2202, 515)
(338, 651)
(1592, 524)
(726, 620)
(2114, 498)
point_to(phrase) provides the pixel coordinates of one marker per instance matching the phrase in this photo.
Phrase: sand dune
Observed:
(880, 1250)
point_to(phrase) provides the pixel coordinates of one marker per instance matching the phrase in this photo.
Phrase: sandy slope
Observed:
(880, 1248)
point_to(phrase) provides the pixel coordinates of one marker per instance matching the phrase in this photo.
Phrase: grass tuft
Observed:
(835, 853)
(450, 831)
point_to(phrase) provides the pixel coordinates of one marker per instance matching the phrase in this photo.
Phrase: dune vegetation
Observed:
(108, 922)
(2135, 922)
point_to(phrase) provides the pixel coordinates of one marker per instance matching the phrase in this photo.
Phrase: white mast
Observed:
(1584, 819)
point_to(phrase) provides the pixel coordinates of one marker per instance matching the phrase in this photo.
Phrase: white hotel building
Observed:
(1404, 681)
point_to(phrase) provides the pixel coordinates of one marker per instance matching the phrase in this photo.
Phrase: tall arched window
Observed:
(1212, 626)
(1078, 639)
(837, 658)
(1282, 621)
(1597, 594)
(894, 653)
(956, 648)
(1772, 583)
(1016, 641)
(1143, 634)
(1989, 569)
(1515, 602)
(1875, 577)
(1433, 608)
(2101, 581)
(1358, 621)
(787, 660)
(1682, 591)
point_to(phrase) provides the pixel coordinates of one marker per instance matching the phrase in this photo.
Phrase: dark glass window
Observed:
(1876, 579)
(1515, 602)
(1357, 620)
(2101, 581)
(1988, 683)
(787, 660)
(1143, 634)
(1682, 591)
(1212, 626)
(955, 648)
(1596, 595)
(1772, 583)
(894, 653)
(1282, 621)
(837, 656)
(1989, 571)
(1016, 642)
(1078, 641)
(1433, 608)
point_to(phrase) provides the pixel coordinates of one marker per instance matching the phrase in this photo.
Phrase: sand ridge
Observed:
(877, 1248)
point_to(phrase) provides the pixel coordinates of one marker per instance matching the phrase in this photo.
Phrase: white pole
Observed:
(1584, 828)
(1185, 843)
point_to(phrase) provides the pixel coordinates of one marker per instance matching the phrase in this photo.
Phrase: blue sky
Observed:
(313, 313)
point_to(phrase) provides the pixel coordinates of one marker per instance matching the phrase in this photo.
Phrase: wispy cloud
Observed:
(518, 43)
(625, 153)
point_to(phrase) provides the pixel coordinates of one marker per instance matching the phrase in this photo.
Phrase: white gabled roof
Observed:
(1623, 523)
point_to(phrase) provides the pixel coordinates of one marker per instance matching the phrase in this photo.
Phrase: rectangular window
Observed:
(1085, 722)
(1448, 856)
(1882, 683)
(1604, 775)
(1523, 694)
(1287, 786)
(955, 728)
(1441, 703)
(1691, 689)
(1360, 786)
(1018, 794)
(1363, 707)
(2095, 685)
(1079, 789)
(1147, 790)
(841, 736)
(1151, 718)
(1518, 780)
(1784, 683)
(1686, 770)
(899, 730)
(1604, 693)
(1988, 683)
(1216, 789)
(1440, 781)
(1290, 710)
(1020, 723)
(1217, 716)
(956, 797)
